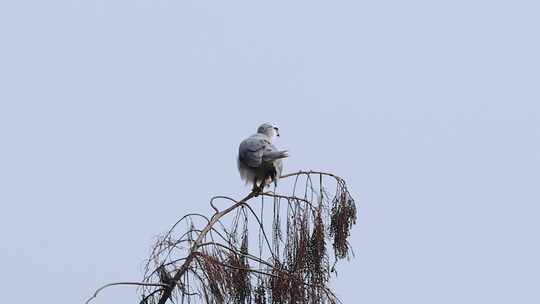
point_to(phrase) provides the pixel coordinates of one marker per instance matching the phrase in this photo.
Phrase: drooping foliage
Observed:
(270, 247)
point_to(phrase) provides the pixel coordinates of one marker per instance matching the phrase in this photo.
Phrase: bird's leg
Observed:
(255, 188)
(273, 177)
(254, 184)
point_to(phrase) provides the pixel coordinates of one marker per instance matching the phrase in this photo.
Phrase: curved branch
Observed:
(271, 194)
(311, 172)
(220, 197)
(262, 229)
(124, 283)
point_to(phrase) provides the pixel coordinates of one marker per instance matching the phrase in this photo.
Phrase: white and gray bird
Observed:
(258, 160)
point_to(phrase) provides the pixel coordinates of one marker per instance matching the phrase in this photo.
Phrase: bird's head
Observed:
(270, 130)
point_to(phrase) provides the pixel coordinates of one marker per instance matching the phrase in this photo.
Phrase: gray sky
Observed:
(113, 111)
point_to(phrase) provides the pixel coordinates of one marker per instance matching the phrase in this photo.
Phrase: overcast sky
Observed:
(112, 112)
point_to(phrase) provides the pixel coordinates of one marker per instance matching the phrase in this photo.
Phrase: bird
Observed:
(259, 161)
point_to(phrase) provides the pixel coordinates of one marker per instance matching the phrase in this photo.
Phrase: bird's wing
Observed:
(253, 149)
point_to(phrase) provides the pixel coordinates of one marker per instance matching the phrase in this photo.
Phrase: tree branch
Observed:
(123, 283)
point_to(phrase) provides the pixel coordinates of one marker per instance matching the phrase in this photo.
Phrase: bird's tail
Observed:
(275, 155)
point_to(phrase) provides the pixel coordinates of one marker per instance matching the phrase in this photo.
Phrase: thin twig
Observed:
(123, 283)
